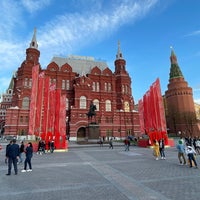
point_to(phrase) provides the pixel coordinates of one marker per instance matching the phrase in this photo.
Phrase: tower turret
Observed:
(32, 53)
(120, 63)
(180, 112)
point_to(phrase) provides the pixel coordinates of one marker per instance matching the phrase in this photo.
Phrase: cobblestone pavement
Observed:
(102, 174)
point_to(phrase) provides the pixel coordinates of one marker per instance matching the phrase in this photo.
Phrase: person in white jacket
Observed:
(190, 152)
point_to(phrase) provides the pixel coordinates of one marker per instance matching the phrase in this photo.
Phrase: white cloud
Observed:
(35, 5)
(197, 32)
(5, 81)
(72, 31)
(65, 33)
(11, 18)
(197, 101)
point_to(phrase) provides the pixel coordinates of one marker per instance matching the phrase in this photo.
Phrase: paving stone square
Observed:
(93, 172)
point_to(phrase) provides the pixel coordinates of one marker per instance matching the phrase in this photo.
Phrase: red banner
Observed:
(51, 116)
(63, 121)
(56, 124)
(154, 112)
(46, 106)
(39, 103)
(161, 108)
(35, 72)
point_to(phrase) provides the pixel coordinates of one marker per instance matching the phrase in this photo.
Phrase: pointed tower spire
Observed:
(119, 54)
(33, 43)
(11, 85)
(175, 71)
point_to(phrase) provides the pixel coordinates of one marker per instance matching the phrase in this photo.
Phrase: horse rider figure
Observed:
(92, 112)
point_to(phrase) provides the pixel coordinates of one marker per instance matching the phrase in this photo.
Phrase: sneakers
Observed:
(156, 158)
(28, 170)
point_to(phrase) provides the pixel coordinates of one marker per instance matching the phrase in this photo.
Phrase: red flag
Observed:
(51, 116)
(39, 102)
(162, 120)
(63, 121)
(35, 72)
(46, 106)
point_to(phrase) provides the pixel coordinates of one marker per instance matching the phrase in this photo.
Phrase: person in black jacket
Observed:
(13, 156)
(7, 146)
(29, 155)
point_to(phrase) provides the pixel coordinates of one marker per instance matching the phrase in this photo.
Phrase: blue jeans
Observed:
(191, 158)
(10, 162)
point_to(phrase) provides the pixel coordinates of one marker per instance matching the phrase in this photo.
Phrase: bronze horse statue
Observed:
(91, 113)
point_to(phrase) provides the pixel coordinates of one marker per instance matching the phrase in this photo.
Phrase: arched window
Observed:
(25, 103)
(108, 105)
(96, 103)
(105, 86)
(82, 102)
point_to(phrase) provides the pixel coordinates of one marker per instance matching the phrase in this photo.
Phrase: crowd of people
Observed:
(15, 154)
(187, 149)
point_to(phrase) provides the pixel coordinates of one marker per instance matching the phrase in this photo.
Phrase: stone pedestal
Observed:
(93, 131)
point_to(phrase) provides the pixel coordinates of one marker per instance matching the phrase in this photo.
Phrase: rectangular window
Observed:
(26, 118)
(30, 83)
(26, 82)
(109, 87)
(63, 84)
(93, 86)
(67, 85)
(97, 86)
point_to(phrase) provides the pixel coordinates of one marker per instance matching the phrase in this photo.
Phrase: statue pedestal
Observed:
(93, 131)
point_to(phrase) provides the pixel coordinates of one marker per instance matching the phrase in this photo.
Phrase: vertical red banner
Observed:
(153, 110)
(63, 121)
(162, 126)
(35, 72)
(57, 114)
(161, 107)
(146, 122)
(45, 106)
(51, 115)
(39, 103)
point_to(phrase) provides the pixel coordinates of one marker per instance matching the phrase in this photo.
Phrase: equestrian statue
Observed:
(92, 113)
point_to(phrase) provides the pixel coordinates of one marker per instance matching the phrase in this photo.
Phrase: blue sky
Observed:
(146, 30)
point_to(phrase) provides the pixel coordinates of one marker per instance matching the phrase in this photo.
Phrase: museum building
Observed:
(83, 80)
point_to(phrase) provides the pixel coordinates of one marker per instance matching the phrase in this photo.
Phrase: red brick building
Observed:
(6, 102)
(180, 110)
(82, 79)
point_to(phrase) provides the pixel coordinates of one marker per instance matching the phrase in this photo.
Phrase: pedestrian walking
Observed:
(13, 156)
(52, 146)
(156, 150)
(162, 148)
(111, 143)
(21, 152)
(101, 142)
(181, 152)
(191, 153)
(29, 155)
(127, 144)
